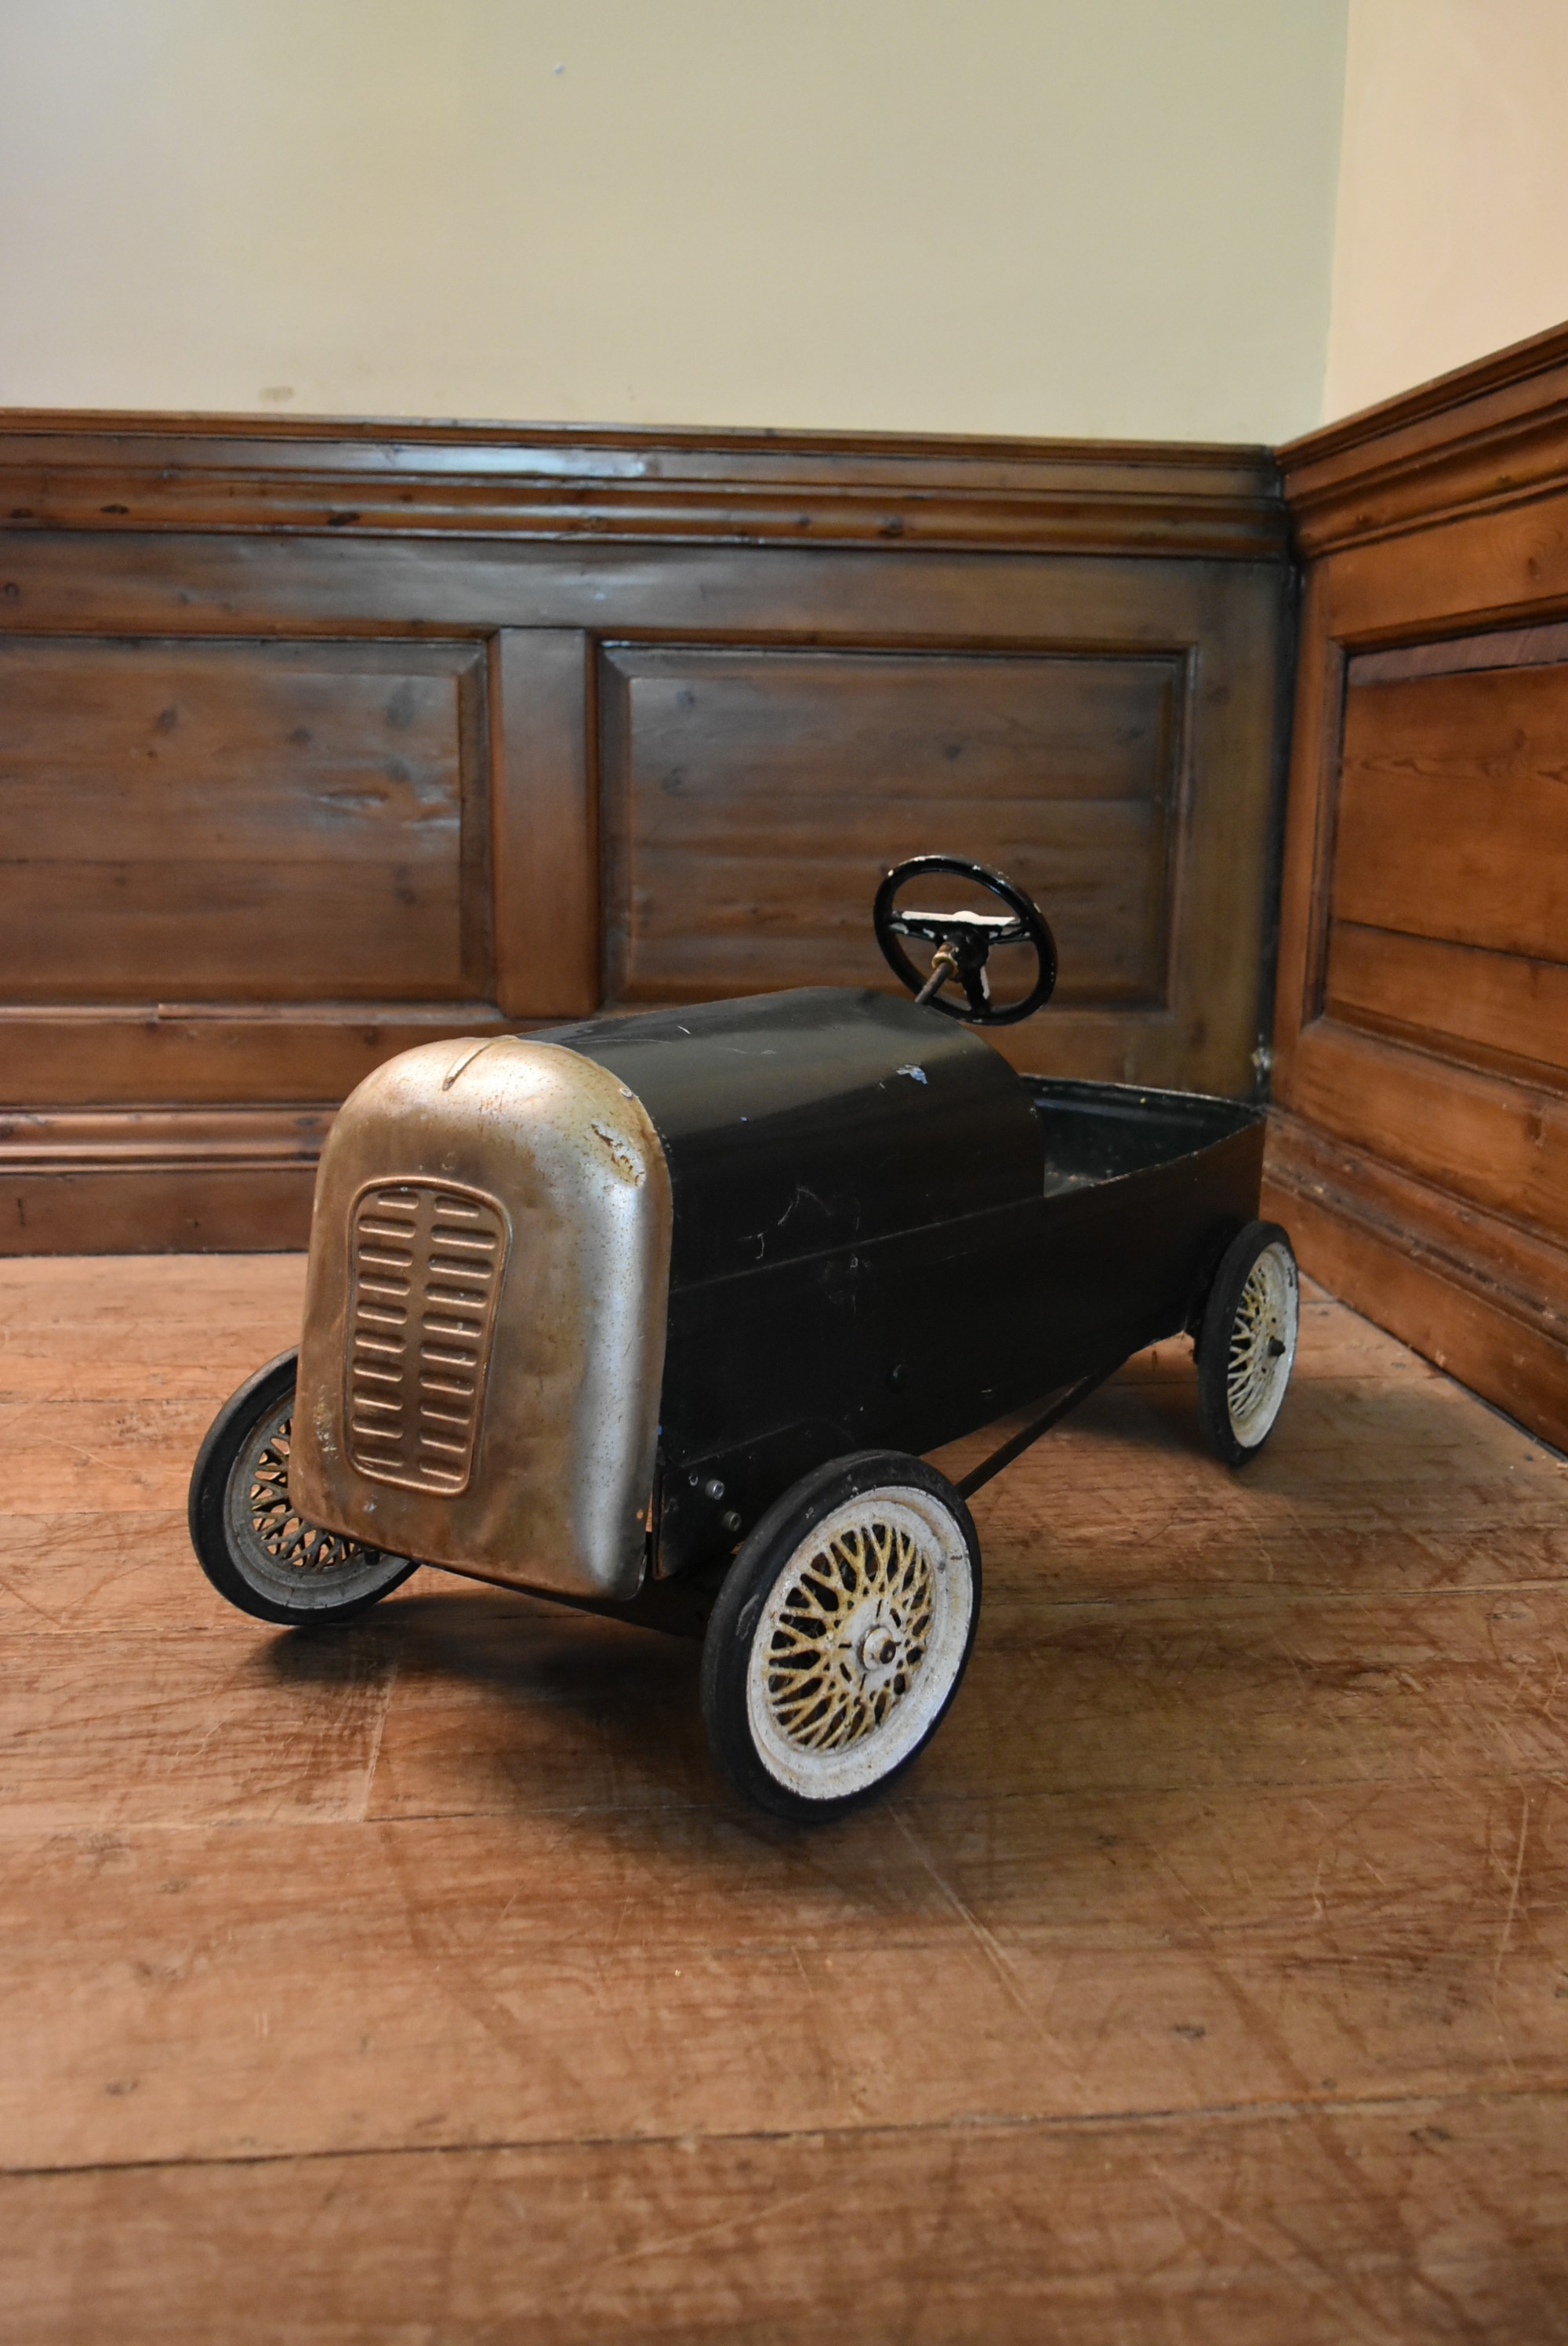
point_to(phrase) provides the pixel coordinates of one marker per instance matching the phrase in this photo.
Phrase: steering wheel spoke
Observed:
(964, 941)
(976, 992)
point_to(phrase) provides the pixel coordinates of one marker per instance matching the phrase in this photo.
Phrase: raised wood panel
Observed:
(754, 799)
(249, 819)
(239, 917)
(1453, 809)
(1421, 1020)
(1497, 1010)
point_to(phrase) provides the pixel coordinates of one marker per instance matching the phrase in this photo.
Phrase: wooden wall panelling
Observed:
(1117, 612)
(1452, 873)
(129, 475)
(1422, 1024)
(246, 820)
(1124, 772)
(1450, 808)
(546, 834)
(234, 872)
(754, 798)
(1496, 1141)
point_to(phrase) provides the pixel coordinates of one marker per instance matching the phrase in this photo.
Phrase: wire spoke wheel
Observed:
(1246, 1347)
(1262, 1345)
(276, 1526)
(251, 1539)
(841, 1634)
(851, 1637)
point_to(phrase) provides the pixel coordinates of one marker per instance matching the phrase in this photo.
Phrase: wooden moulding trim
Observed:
(368, 1012)
(154, 1140)
(245, 474)
(1544, 644)
(1466, 1131)
(1489, 1305)
(153, 1210)
(1464, 1332)
(1517, 1272)
(1487, 436)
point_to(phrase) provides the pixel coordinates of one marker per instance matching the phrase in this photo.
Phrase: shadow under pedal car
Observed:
(656, 1315)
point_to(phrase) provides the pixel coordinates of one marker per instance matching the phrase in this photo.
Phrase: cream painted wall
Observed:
(1452, 231)
(1096, 217)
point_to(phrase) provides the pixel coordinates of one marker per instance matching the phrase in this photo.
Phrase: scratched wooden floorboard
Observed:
(1444, 2219)
(467, 1707)
(259, 1991)
(1208, 1978)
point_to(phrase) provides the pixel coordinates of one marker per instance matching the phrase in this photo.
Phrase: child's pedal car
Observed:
(659, 1314)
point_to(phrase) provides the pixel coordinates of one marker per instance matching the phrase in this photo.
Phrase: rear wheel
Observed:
(1246, 1344)
(841, 1635)
(253, 1546)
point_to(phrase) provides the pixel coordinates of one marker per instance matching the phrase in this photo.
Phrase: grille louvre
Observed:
(426, 1259)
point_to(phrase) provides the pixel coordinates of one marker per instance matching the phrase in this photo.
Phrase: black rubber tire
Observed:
(1215, 1334)
(224, 1563)
(732, 1626)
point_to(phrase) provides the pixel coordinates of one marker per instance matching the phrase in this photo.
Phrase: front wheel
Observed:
(249, 1540)
(840, 1634)
(1247, 1342)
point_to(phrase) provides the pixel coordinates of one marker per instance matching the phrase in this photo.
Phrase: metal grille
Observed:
(426, 1259)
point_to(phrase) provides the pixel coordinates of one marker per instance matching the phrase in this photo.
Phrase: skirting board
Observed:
(159, 1181)
(1491, 1316)
(204, 1212)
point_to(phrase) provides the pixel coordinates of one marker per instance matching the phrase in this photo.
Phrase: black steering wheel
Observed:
(964, 941)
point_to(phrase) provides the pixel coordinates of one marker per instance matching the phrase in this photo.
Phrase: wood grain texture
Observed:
(754, 799)
(1453, 810)
(1422, 999)
(1205, 1978)
(269, 1055)
(545, 830)
(1483, 441)
(1500, 1011)
(1500, 1143)
(1543, 645)
(235, 880)
(1471, 1291)
(248, 820)
(1434, 2221)
(130, 473)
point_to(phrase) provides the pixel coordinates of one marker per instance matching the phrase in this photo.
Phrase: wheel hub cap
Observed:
(879, 1648)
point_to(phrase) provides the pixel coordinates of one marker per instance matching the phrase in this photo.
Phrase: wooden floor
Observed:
(1207, 1982)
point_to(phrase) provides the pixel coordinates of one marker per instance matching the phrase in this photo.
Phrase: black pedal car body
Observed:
(661, 1315)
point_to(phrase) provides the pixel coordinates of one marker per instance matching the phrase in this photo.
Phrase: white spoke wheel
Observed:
(1246, 1344)
(249, 1538)
(840, 1634)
